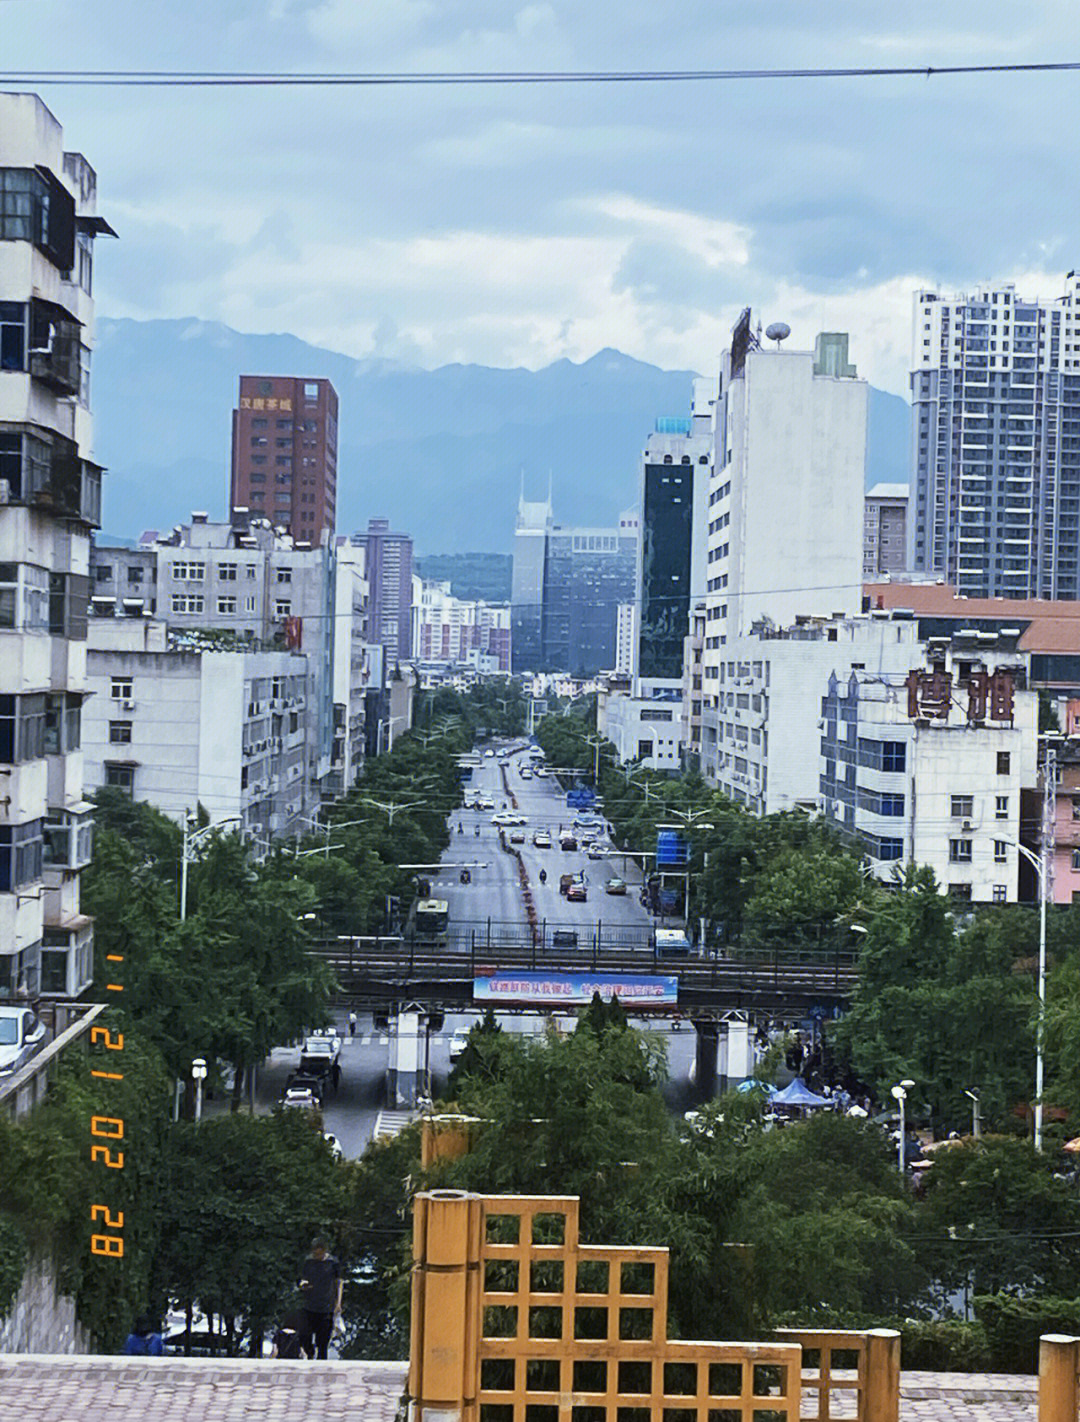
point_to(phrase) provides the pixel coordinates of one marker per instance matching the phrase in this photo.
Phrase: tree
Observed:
(244, 1196)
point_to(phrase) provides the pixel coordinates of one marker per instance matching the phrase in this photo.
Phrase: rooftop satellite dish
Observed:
(778, 331)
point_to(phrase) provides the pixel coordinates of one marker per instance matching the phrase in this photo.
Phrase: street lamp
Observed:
(389, 722)
(198, 1076)
(391, 808)
(1039, 863)
(194, 839)
(976, 1114)
(900, 1094)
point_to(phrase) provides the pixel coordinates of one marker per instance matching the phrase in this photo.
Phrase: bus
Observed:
(431, 921)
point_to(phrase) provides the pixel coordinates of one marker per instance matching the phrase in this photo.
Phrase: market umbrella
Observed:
(799, 1094)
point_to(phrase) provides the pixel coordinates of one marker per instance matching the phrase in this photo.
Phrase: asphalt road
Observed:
(495, 892)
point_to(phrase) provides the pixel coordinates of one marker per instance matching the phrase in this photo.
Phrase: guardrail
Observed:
(21, 1091)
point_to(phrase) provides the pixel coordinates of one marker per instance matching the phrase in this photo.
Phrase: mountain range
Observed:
(442, 453)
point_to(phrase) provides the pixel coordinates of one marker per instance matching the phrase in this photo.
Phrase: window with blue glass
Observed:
(20, 855)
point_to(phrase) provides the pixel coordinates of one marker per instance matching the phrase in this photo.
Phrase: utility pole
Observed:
(1046, 848)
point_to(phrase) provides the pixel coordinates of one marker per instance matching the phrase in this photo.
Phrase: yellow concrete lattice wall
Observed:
(514, 1320)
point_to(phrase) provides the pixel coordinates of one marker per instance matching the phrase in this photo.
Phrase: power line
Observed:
(241, 79)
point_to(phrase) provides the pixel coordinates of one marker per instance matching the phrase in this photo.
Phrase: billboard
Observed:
(559, 990)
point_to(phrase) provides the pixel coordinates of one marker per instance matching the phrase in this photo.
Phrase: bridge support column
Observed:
(403, 1073)
(708, 1037)
(736, 1053)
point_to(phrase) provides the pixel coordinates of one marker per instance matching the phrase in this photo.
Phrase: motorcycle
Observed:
(543, 876)
(461, 829)
(477, 831)
(466, 877)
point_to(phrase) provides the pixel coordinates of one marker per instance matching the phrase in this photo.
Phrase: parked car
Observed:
(301, 1096)
(616, 886)
(526, 773)
(542, 840)
(306, 1081)
(485, 803)
(596, 851)
(567, 842)
(517, 836)
(21, 1033)
(577, 893)
(564, 938)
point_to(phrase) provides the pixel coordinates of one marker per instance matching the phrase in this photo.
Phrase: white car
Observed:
(301, 1096)
(21, 1033)
(489, 752)
(503, 817)
(458, 1042)
(526, 773)
(485, 803)
(542, 840)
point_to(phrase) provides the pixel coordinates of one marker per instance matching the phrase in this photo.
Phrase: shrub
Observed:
(1014, 1325)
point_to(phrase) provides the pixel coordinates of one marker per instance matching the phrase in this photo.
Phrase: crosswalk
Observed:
(389, 1124)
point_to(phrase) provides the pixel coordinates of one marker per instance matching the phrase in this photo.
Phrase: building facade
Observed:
(995, 491)
(284, 454)
(50, 499)
(929, 767)
(588, 573)
(455, 631)
(885, 530)
(179, 727)
(389, 571)
(243, 583)
(534, 521)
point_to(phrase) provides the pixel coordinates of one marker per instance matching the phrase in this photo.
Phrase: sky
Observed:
(516, 225)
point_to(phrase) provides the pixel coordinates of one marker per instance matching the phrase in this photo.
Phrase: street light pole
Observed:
(198, 1075)
(900, 1096)
(192, 840)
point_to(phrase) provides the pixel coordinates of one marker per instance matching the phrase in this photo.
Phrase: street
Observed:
(494, 901)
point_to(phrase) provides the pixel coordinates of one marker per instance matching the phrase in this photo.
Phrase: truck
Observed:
(672, 943)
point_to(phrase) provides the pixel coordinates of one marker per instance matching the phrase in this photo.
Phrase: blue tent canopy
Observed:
(799, 1094)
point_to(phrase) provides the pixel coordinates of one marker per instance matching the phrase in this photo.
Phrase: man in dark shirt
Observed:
(321, 1285)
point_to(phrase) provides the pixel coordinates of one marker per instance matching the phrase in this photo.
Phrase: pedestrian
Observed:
(287, 1339)
(144, 1340)
(321, 1286)
(352, 1024)
(335, 1074)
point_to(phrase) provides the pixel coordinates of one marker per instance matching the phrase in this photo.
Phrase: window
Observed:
(227, 572)
(961, 892)
(63, 723)
(21, 855)
(1001, 893)
(1001, 807)
(1003, 759)
(134, 575)
(22, 729)
(644, 750)
(103, 573)
(24, 597)
(282, 609)
(226, 605)
(121, 775)
(962, 807)
(284, 575)
(249, 604)
(189, 572)
(960, 851)
(249, 570)
(1001, 851)
(119, 733)
(187, 603)
(311, 391)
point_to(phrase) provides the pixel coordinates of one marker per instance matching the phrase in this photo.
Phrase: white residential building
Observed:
(353, 665)
(452, 630)
(930, 766)
(248, 581)
(626, 637)
(182, 727)
(760, 745)
(50, 498)
(885, 531)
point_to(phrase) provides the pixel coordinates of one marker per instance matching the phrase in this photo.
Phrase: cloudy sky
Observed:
(515, 225)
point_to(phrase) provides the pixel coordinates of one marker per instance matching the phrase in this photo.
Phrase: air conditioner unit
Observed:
(967, 825)
(129, 705)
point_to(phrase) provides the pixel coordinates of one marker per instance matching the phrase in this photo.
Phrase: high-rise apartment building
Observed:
(284, 454)
(995, 496)
(50, 498)
(389, 565)
(885, 530)
(534, 522)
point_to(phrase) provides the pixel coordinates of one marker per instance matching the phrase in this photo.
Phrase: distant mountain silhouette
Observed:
(439, 452)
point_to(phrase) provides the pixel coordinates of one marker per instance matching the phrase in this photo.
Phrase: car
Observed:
(22, 1032)
(517, 836)
(306, 1081)
(615, 886)
(526, 773)
(489, 753)
(485, 803)
(577, 893)
(458, 1042)
(502, 817)
(542, 840)
(302, 1097)
(567, 842)
(564, 938)
(595, 851)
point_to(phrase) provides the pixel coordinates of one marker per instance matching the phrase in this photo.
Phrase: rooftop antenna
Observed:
(778, 331)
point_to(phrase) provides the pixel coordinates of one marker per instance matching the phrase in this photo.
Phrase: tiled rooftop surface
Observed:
(47, 1388)
(41, 1388)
